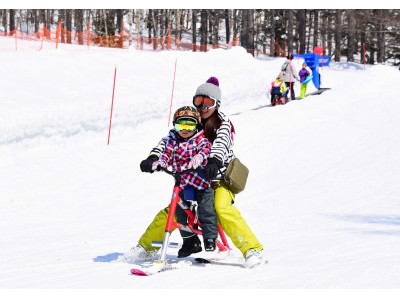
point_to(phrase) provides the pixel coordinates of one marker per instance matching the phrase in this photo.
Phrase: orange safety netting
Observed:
(123, 40)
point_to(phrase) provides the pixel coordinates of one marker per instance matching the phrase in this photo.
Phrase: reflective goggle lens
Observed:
(185, 125)
(203, 100)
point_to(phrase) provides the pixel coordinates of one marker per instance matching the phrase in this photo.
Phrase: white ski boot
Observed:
(254, 258)
(137, 254)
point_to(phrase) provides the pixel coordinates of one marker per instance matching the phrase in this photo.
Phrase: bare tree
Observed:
(301, 29)
(380, 37)
(290, 39)
(203, 30)
(214, 26)
(12, 20)
(194, 30)
(178, 22)
(236, 15)
(316, 28)
(351, 31)
(329, 34)
(149, 23)
(4, 20)
(338, 28)
(78, 20)
(120, 19)
(227, 25)
(247, 33)
(68, 24)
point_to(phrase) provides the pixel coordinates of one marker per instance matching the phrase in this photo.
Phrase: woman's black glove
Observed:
(212, 167)
(145, 165)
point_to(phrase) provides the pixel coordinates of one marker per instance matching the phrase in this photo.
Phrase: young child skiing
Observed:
(186, 147)
(218, 129)
(278, 87)
(303, 74)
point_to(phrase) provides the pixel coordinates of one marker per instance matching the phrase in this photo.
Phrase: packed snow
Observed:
(322, 194)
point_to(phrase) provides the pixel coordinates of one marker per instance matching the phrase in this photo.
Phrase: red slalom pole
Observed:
(172, 95)
(112, 105)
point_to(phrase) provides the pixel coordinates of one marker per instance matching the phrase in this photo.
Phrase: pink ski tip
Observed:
(138, 272)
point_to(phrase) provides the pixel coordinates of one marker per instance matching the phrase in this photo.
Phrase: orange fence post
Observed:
(154, 43)
(41, 44)
(16, 46)
(235, 41)
(169, 38)
(88, 34)
(58, 32)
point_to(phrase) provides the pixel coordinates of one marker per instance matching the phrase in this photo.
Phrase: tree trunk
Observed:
(68, 24)
(149, 23)
(215, 27)
(236, 23)
(4, 21)
(79, 25)
(139, 40)
(161, 13)
(351, 35)
(12, 21)
(290, 17)
(301, 29)
(380, 43)
(63, 18)
(324, 30)
(338, 28)
(203, 30)
(227, 25)
(194, 29)
(178, 34)
(309, 25)
(247, 33)
(120, 20)
(330, 37)
(105, 22)
(316, 28)
(273, 49)
(130, 22)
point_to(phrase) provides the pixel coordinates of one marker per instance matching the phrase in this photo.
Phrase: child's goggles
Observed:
(185, 125)
(204, 101)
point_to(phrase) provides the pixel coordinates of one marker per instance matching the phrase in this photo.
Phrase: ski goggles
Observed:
(204, 101)
(185, 125)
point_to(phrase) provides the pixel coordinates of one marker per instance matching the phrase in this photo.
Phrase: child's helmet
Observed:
(187, 113)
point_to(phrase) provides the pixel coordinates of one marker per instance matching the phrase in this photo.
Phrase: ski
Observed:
(226, 262)
(160, 266)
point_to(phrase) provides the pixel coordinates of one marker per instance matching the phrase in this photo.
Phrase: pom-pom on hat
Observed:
(210, 89)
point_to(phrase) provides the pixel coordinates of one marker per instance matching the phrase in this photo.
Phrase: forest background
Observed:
(361, 35)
